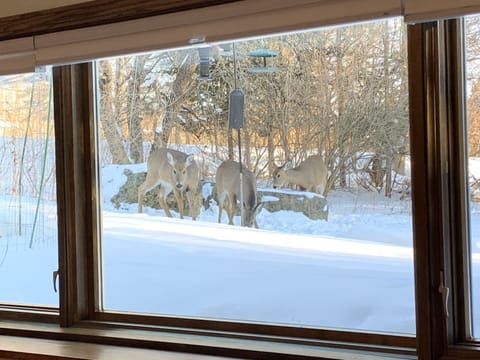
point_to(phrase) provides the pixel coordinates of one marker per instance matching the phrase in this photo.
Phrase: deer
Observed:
(310, 175)
(227, 181)
(174, 171)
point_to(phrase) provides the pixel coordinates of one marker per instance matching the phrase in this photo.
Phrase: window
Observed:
(334, 102)
(28, 216)
(104, 104)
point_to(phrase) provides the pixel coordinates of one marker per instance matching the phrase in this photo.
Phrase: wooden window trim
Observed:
(206, 342)
(436, 115)
(74, 116)
(93, 13)
(423, 90)
(459, 241)
(224, 22)
(49, 315)
(75, 151)
(439, 183)
(239, 328)
(459, 328)
(28, 349)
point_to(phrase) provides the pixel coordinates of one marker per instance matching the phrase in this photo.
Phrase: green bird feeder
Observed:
(262, 65)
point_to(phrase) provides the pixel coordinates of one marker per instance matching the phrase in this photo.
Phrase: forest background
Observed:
(341, 92)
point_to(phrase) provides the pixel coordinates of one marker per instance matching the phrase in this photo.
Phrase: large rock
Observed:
(312, 205)
(128, 192)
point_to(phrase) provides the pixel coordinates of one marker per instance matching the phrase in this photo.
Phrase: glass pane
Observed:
(324, 144)
(472, 52)
(28, 211)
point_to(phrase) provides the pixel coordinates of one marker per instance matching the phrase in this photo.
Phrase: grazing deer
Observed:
(173, 171)
(228, 191)
(310, 175)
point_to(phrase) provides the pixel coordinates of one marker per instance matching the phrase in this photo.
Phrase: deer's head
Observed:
(179, 167)
(280, 176)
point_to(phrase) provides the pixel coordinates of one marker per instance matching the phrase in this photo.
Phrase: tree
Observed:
(339, 92)
(109, 125)
(182, 70)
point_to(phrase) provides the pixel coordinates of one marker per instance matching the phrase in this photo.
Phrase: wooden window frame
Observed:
(458, 335)
(98, 12)
(440, 215)
(440, 190)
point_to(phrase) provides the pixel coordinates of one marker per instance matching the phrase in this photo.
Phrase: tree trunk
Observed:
(110, 127)
(246, 148)
(134, 108)
(271, 153)
(180, 86)
(340, 91)
(230, 144)
(388, 178)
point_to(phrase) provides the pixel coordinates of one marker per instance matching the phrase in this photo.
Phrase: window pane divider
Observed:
(73, 109)
(460, 238)
(427, 200)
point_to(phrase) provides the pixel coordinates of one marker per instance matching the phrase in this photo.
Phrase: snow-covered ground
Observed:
(354, 271)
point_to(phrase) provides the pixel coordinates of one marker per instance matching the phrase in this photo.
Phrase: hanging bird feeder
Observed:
(262, 66)
(204, 68)
(236, 109)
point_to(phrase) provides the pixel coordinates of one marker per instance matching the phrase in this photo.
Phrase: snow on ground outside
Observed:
(354, 271)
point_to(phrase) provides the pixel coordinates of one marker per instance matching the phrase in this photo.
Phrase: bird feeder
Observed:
(262, 55)
(236, 109)
(204, 68)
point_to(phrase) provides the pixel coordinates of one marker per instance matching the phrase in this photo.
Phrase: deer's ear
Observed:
(170, 158)
(189, 160)
(287, 165)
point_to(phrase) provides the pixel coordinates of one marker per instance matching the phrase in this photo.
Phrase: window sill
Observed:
(102, 341)
(13, 347)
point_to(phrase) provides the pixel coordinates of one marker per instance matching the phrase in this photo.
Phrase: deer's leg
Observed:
(258, 208)
(162, 199)
(141, 196)
(231, 207)
(193, 204)
(221, 206)
(147, 185)
(179, 198)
